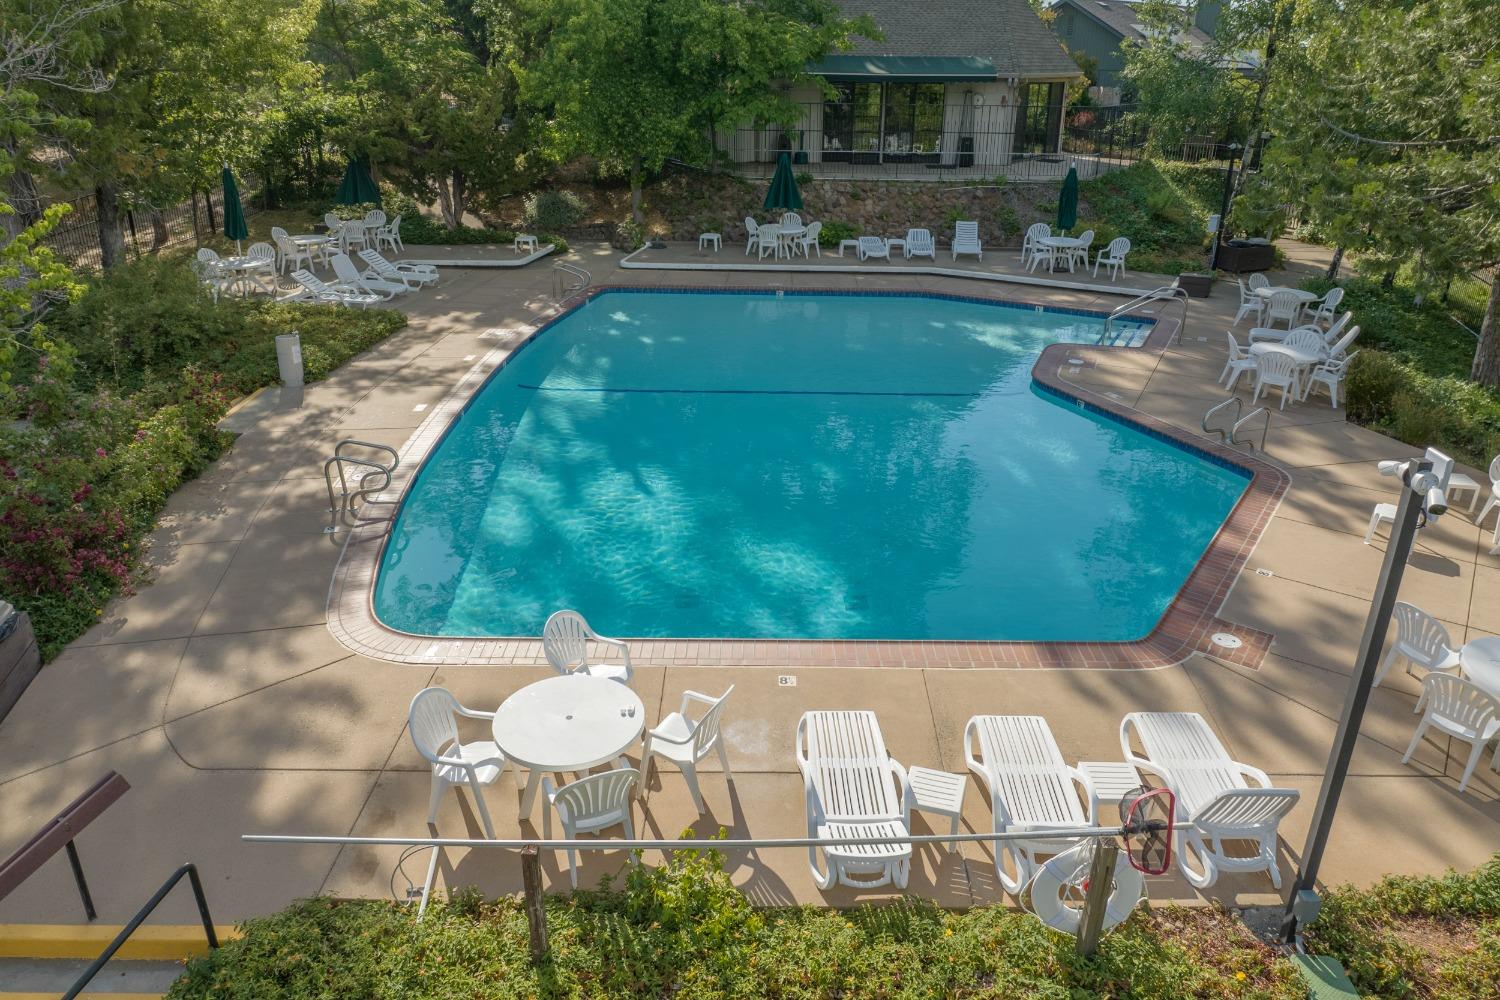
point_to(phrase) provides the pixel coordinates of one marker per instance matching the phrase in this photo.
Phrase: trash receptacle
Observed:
(289, 357)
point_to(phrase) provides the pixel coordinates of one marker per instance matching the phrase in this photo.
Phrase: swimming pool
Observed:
(798, 465)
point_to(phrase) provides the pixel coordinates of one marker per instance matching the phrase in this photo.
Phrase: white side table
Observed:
(524, 242)
(847, 245)
(1108, 780)
(936, 792)
(707, 239)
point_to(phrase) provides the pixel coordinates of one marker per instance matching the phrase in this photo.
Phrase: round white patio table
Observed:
(568, 723)
(245, 271)
(1480, 661)
(310, 242)
(1062, 244)
(1303, 297)
(787, 237)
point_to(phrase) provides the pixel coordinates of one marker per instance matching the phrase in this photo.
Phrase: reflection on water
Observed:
(797, 466)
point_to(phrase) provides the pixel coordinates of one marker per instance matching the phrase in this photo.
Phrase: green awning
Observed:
(906, 69)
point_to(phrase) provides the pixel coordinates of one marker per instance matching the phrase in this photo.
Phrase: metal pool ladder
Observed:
(1229, 428)
(569, 280)
(359, 480)
(1166, 293)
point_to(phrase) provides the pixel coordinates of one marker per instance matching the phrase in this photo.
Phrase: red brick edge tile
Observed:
(1185, 628)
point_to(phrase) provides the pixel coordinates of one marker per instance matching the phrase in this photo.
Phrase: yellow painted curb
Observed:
(160, 942)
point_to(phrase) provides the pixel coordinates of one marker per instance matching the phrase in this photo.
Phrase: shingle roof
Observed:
(1007, 32)
(1120, 16)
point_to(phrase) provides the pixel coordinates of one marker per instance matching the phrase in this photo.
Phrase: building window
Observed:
(884, 123)
(1038, 118)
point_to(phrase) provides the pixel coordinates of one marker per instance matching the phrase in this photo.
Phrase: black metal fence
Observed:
(147, 230)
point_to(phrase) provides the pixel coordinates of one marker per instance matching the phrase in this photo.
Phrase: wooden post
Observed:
(536, 906)
(1101, 881)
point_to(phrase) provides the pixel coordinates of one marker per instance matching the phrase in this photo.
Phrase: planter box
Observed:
(1196, 285)
(1243, 260)
(20, 659)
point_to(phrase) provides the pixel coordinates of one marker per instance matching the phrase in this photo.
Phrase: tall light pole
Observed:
(1233, 149)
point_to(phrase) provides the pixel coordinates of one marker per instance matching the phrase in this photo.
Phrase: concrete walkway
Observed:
(219, 693)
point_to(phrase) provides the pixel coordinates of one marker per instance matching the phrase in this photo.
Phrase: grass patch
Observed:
(1160, 207)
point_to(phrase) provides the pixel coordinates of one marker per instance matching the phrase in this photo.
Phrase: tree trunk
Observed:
(453, 199)
(1333, 265)
(159, 234)
(24, 199)
(1487, 357)
(111, 236)
(197, 233)
(637, 180)
(208, 198)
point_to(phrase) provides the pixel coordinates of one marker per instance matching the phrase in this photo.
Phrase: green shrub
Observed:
(1160, 207)
(350, 211)
(552, 210)
(628, 236)
(833, 233)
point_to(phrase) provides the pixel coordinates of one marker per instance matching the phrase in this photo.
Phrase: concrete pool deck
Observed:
(219, 692)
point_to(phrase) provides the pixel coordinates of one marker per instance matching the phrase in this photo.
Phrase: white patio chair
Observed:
(1113, 257)
(1421, 640)
(684, 741)
(1279, 370)
(374, 219)
(389, 235)
(211, 275)
(768, 241)
(1029, 244)
(333, 222)
(1322, 311)
(1493, 503)
(1030, 788)
(348, 275)
(1305, 339)
(919, 243)
(291, 255)
(752, 235)
(1285, 306)
(1250, 304)
(410, 274)
(433, 723)
(808, 241)
(318, 290)
(264, 277)
(353, 233)
(1442, 468)
(1080, 253)
(1259, 280)
(851, 785)
(1330, 374)
(1337, 350)
(791, 220)
(565, 641)
(1462, 711)
(1239, 362)
(966, 239)
(873, 247)
(1214, 792)
(589, 805)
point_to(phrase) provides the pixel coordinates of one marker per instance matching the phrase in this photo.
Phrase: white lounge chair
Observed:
(565, 641)
(1337, 350)
(1460, 710)
(918, 243)
(348, 274)
(414, 275)
(966, 239)
(589, 805)
(851, 785)
(1333, 333)
(1442, 469)
(1030, 788)
(1421, 640)
(873, 246)
(1113, 257)
(685, 741)
(1279, 370)
(1213, 793)
(318, 290)
(433, 723)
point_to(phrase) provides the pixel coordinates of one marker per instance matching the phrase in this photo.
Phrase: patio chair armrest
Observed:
(485, 762)
(1255, 774)
(688, 697)
(620, 644)
(468, 713)
(1082, 781)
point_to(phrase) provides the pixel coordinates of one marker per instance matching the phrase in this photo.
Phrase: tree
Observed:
(634, 83)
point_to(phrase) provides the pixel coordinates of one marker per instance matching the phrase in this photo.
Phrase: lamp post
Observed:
(1233, 149)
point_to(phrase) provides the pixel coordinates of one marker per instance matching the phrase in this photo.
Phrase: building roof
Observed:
(1121, 17)
(1006, 32)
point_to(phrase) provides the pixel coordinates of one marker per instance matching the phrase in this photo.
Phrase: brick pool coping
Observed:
(1188, 626)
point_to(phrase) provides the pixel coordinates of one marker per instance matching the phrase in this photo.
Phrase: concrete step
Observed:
(25, 978)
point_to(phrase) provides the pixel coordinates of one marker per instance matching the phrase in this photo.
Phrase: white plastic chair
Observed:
(1029, 244)
(768, 241)
(1461, 710)
(374, 219)
(353, 233)
(1250, 304)
(348, 275)
(1305, 339)
(1330, 375)
(565, 641)
(873, 246)
(264, 277)
(808, 241)
(791, 220)
(379, 267)
(851, 788)
(966, 239)
(1259, 280)
(211, 272)
(1279, 370)
(1043, 253)
(752, 235)
(1222, 798)
(291, 255)
(1113, 258)
(1240, 361)
(1322, 311)
(1336, 329)
(1493, 503)
(1080, 253)
(1421, 640)
(1337, 350)
(1285, 305)
(589, 805)
(918, 243)
(433, 723)
(390, 235)
(684, 741)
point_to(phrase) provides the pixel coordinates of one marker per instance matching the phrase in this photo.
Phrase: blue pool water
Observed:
(797, 466)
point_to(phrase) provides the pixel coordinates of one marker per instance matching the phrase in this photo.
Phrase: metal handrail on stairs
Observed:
(563, 289)
(1230, 434)
(1166, 293)
(347, 508)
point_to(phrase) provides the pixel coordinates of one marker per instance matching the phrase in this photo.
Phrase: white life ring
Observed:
(1052, 891)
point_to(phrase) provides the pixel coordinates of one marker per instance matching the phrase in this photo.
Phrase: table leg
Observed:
(528, 797)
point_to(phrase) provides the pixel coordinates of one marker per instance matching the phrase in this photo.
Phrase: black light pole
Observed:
(1233, 149)
(1419, 499)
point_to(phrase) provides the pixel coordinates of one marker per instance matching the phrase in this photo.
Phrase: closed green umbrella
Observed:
(783, 192)
(1067, 201)
(357, 188)
(234, 213)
